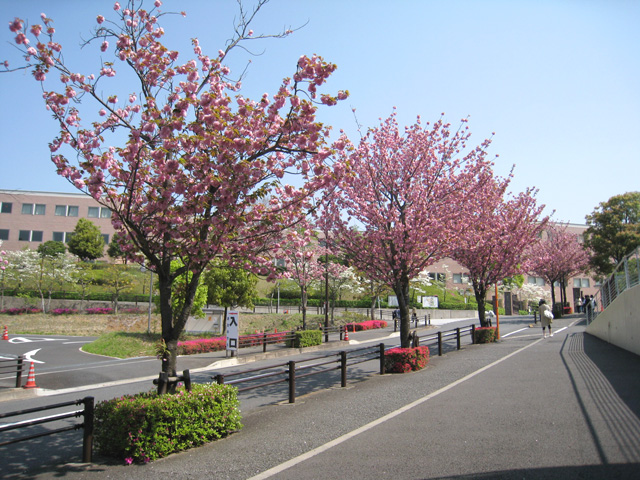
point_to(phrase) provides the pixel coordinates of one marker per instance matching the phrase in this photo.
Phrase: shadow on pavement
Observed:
(587, 472)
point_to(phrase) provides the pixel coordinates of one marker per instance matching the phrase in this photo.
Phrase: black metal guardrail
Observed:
(86, 425)
(415, 321)
(13, 365)
(290, 371)
(458, 333)
(285, 337)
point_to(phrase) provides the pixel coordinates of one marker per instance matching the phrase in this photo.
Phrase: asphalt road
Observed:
(525, 407)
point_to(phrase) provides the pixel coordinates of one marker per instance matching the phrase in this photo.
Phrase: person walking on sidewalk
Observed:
(546, 316)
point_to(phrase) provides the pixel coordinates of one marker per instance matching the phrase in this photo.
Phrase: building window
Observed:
(105, 237)
(4, 234)
(457, 278)
(66, 210)
(581, 283)
(99, 212)
(6, 207)
(63, 237)
(30, 235)
(536, 281)
(33, 209)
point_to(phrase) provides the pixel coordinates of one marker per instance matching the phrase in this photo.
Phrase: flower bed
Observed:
(63, 311)
(367, 325)
(21, 310)
(485, 335)
(202, 345)
(99, 311)
(403, 360)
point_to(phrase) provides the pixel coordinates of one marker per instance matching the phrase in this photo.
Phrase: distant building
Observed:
(576, 286)
(28, 219)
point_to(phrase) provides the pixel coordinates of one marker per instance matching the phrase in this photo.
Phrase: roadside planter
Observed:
(485, 335)
(144, 427)
(403, 360)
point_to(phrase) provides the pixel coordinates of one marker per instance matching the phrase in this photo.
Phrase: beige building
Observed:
(28, 219)
(576, 286)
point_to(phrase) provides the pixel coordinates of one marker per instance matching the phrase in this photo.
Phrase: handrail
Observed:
(86, 425)
(625, 276)
(18, 368)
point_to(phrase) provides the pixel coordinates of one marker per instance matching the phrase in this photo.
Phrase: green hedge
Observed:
(102, 297)
(485, 335)
(143, 427)
(305, 338)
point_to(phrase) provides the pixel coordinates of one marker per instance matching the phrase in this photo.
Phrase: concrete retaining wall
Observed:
(619, 324)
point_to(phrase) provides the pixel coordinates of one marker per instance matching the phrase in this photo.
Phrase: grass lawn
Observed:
(125, 335)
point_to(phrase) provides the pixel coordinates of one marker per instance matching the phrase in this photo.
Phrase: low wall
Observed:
(619, 324)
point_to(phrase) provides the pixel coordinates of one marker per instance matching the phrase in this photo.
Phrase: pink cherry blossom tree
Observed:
(191, 169)
(301, 253)
(399, 208)
(501, 229)
(557, 257)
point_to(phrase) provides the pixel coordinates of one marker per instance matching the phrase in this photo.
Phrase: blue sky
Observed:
(557, 81)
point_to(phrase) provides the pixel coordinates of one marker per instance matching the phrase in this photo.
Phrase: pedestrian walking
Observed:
(546, 317)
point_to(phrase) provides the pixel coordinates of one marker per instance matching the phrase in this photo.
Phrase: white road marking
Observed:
(27, 356)
(316, 451)
(511, 333)
(29, 340)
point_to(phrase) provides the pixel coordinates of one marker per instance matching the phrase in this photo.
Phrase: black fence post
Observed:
(163, 380)
(19, 371)
(219, 379)
(439, 344)
(87, 437)
(458, 336)
(292, 381)
(343, 369)
(382, 369)
(186, 377)
(473, 334)
(264, 342)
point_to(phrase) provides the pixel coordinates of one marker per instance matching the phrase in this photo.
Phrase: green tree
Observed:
(614, 231)
(230, 287)
(180, 291)
(119, 280)
(51, 248)
(115, 250)
(86, 242)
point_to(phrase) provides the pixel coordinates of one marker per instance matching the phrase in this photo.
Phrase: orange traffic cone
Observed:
(31, 379)
(5, 335)
(346, 333)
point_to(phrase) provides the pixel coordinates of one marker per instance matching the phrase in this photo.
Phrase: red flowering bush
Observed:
(20, 311)
(99, 311)
(366, 325)
(202, 345)
(485, 335)
(403, 360)
(63, 311)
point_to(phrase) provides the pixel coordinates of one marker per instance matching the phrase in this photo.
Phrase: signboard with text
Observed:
(232, 331)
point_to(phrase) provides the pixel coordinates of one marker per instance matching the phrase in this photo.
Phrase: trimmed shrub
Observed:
(305, 338)
(202, 345)
(485, 335)
(21, 310)
(366, 325)
(63, 311)
(99, 311)
(403, 360)
(147, 426)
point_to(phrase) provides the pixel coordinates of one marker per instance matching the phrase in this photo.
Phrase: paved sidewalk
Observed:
(563, 407)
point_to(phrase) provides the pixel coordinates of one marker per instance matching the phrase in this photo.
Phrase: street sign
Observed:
(232, 331)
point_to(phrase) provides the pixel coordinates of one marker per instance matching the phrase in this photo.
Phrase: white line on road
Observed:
(316, 451)
(511, 333)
